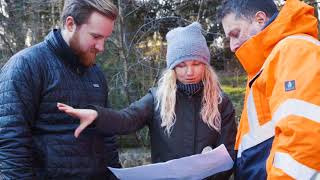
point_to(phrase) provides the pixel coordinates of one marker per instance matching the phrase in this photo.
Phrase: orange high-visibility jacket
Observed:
(279, 131)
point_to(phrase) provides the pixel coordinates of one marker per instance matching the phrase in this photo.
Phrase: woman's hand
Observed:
(86, 116)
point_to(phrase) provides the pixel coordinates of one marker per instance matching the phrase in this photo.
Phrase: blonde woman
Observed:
(185, 113)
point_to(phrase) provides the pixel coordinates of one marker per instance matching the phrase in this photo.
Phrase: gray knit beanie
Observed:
(185, 44)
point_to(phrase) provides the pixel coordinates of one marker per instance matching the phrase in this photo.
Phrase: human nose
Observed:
(190, 71)
(233, 45)
(100, 45)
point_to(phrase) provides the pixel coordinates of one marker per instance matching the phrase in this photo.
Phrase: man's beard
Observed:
(87, 58)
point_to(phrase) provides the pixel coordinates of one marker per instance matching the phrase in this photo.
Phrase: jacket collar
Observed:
(274, 16)
(295, 18)
(56, 42)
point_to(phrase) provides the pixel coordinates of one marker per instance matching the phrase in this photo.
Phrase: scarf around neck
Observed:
(189, 89)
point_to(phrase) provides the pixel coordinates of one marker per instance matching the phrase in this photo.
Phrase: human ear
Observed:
(261, 18)
(70, 24)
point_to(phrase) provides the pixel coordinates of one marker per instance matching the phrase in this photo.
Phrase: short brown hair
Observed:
(81, 10)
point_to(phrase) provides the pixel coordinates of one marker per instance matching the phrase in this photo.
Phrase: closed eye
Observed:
(180, 65)
(197, 63)
(96, 36)
(234, 34)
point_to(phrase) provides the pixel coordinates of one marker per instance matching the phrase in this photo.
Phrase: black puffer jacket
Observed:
(36, 139)
(189, 135)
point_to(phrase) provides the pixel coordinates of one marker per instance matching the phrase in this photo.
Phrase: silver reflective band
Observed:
(293, 168)
(305, 37)
(250, 140)
(252, 114)
(301, 37)
(257, 133)
(289, 107)
(298, 108)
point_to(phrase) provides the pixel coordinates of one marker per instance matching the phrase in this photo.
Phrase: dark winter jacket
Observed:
(189, 135)
(36, 139)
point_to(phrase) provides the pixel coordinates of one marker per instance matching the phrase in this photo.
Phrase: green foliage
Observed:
(236, 94)
(233, 81)
(140, 138)
(143, 136)
(235, 88)
(25, 23)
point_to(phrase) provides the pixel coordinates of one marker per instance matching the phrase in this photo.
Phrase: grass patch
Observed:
(233, 81)
(234, 86)
(236, 94)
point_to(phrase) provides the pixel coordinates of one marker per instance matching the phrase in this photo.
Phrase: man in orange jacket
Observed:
(279, 129)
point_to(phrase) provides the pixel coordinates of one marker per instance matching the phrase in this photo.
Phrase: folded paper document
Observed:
(193, 167)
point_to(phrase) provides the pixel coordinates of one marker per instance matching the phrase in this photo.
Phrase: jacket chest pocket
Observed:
(94, 92)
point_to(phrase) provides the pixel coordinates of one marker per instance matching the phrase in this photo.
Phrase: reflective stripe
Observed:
(257, 133)
(252, 114)
(305, 37)
(316, 177)
(298, 108)
(293, 168)
(301, 37)
(250, 140)
(262, 133)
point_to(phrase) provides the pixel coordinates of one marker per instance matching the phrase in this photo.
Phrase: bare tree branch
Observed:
(7, 44)
(200, 10)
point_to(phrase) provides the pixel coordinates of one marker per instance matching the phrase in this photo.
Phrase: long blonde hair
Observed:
(212, 97)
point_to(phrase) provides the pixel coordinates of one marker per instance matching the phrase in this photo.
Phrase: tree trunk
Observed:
(123, 58)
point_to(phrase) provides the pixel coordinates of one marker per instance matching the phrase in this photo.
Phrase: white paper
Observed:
(193, 167)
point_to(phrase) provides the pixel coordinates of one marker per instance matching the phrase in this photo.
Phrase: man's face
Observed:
(239, 29)
(88, 39)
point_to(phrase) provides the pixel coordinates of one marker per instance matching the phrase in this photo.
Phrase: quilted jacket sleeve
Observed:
(19, 91)
(127, 120)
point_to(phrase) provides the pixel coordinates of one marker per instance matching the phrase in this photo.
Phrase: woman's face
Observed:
(190, 72)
